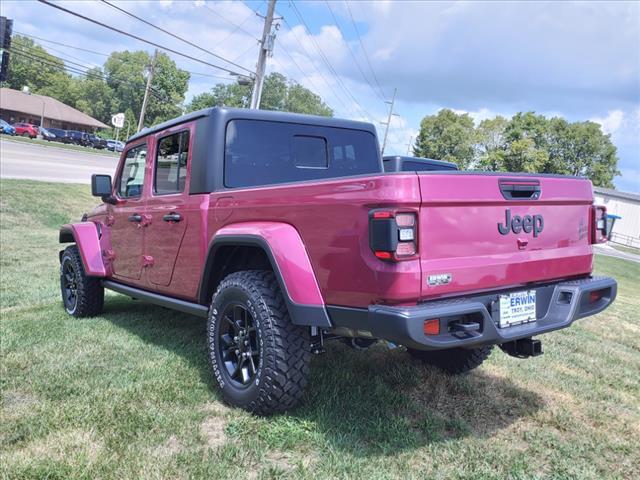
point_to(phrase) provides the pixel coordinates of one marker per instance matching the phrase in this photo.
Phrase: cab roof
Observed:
(224, 114)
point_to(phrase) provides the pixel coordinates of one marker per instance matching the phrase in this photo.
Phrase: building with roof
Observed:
(624, 209)
(17, 106)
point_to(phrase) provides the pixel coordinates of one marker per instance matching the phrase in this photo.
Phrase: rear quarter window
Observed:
(259, 152)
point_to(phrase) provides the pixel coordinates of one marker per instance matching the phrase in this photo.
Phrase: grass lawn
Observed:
(129, 395)
(65, 146)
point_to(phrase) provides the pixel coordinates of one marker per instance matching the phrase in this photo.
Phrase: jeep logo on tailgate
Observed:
(517, 224)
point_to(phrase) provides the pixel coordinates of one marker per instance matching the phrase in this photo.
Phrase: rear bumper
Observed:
(558, 305)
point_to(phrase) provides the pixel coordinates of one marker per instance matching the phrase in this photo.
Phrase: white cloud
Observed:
(612, 122)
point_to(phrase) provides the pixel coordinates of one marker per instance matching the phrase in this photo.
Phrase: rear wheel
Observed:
(259, 359)
(82, 296)
(454, 360)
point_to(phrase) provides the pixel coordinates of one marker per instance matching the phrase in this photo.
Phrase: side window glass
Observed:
(310, 152)
(132, 176)
(171, 163)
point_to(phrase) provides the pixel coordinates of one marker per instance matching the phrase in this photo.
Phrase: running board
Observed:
(157, 299)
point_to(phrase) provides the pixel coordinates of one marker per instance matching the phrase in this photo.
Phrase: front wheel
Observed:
(259, 359)
(454, 360)
(82, 296)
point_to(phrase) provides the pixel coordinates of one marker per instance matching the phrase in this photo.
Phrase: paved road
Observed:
(51, 164)
(612, 252)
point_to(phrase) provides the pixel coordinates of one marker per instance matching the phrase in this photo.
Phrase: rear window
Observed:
(259, 152)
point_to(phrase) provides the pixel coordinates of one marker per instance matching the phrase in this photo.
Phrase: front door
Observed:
(128, 216)
(166, 204)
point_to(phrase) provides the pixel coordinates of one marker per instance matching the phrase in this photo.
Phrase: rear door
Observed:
(481, 232)
(166, 204)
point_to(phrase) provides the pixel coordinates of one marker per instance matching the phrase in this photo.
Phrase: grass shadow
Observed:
(378, 402)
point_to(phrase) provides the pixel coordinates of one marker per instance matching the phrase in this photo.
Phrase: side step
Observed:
(157, 299)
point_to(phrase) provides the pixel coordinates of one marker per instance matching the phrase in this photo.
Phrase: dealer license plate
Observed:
(517, 308)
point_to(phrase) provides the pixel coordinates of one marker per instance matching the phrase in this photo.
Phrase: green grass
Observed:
(129, 394)
(65, 146)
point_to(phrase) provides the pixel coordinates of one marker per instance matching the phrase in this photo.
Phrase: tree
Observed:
(278, 94)
(446, 136)
(491, 143)
(31, 65)
(126, 76)
(95, 97)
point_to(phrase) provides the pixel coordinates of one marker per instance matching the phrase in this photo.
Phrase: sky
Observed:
(578, 60)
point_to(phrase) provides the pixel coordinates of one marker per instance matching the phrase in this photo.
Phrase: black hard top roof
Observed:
(225, 114)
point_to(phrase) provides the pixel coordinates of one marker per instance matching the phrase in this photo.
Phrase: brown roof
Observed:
(53, 109)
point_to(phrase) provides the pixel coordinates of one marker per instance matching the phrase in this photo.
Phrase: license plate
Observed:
(517, 308)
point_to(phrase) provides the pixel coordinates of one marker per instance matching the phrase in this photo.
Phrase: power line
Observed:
(122, 32)
(107, 54)
(188, 42)
(161, 96)
(61, 44)
(301, 71)
(311, 63)
(353, 54)
(364, 50)
(327, 62)
(236, 25)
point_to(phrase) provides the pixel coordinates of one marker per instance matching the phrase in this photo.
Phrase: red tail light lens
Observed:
(393, 235)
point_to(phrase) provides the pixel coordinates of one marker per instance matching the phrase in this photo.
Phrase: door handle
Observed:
(172, 217)
(136, 217)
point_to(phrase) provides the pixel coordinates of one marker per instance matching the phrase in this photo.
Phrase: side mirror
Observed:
(101, 187)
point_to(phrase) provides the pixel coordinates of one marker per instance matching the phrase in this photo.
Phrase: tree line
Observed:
(524, 143)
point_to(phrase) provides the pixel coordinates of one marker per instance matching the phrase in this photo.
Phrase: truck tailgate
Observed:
(479, 232)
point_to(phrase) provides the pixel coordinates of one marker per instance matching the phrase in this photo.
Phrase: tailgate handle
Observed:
(516, 189)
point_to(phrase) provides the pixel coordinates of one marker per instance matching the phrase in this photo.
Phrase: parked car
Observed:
(6, 128)
(115, 145)
(284, 232)
(26, 130)
(78, 138)
(96, 142)
(46, 134)
(60, 135)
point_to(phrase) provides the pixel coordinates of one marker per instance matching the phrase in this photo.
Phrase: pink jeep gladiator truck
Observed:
(285, 231)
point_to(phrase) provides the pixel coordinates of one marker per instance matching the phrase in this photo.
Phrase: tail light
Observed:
(598, 224)
(393, 235)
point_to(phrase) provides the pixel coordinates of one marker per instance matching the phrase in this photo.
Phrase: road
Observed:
(51, 164)
(612, 252)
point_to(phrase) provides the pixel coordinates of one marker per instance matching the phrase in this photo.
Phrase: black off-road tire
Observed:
(89, 292)
(280, 374)
(454, 360)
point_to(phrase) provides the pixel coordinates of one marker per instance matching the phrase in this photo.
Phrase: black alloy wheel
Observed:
(238, 345)
(69, 282)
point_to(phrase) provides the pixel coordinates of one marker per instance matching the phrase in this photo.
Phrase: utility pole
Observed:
(409, 145)
(147, 90)
(266, 47)
(386, 130)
